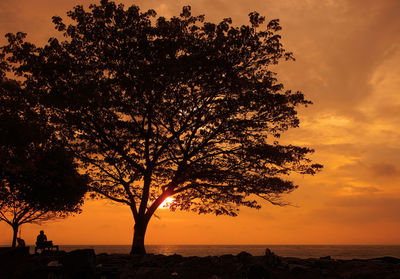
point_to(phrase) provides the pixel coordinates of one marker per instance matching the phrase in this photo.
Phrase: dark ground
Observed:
(18, 263)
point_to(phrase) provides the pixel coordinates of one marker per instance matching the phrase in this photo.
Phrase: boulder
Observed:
(297, 269)
(10, 258)
(257, 271)
(9, 252)
(244, 257)
(388, 260)
(80, 264)
(271, 260)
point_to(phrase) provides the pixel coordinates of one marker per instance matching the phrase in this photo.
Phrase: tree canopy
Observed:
(156, 107)
(38, 178)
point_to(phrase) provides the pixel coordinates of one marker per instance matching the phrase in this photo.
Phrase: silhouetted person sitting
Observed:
(20, 242)
(42, 243)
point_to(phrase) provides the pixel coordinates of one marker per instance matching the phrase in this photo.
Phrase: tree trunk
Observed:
(15, 233)
(141, 223)
(138, 237)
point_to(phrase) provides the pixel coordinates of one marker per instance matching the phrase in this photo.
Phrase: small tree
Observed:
(181, 107)
(38, 178)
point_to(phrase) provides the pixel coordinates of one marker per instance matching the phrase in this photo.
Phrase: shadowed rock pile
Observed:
(85, 264)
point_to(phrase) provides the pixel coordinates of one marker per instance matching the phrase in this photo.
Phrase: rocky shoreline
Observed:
(18, 263)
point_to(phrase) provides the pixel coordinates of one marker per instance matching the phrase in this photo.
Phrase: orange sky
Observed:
(348, 64)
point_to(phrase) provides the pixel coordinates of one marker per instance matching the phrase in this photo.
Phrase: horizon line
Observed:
(155, 244)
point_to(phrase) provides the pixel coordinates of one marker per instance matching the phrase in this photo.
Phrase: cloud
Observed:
(339, 47)
(367, 170)
(385, 169)
(352, 190)
(359, 209)
(347, 63)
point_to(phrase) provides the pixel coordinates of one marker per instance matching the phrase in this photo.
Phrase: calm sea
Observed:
(299, 251)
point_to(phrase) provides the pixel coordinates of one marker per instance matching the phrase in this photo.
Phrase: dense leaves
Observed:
(38, 178)
(154, 107)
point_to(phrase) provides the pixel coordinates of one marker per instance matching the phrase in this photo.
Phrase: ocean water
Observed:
(300, 251)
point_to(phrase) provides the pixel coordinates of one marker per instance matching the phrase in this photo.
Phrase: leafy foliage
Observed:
(155, 107)
(38, 178)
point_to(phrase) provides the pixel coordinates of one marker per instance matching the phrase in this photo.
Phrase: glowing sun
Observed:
(166, 203)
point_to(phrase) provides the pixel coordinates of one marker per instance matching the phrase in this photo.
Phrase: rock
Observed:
(388, 260)
(80, 264)
(148, 260)
(54, 264)
(297, 269)
(172, 259)
(10, 258)
(325, 258)
(8, 252)
(271, 259)
(244, 257)
(257, 271)
(151, 273)
(227, 256)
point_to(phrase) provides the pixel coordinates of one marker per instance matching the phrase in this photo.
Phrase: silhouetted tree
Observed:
(38, 178)
(169, 107)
